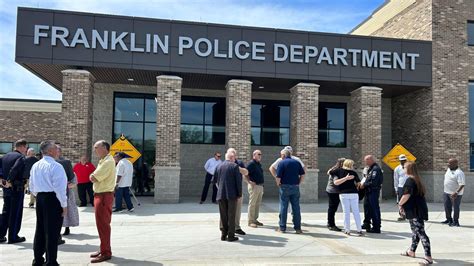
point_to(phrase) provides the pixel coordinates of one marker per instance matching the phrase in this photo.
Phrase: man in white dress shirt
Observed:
(48, 183)
(399, 178)
(454, 182)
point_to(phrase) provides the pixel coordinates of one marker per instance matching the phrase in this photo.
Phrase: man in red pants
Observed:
(103, 179)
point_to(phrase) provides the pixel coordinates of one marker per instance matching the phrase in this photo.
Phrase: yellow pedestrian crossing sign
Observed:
(391, 159)
(123, 145)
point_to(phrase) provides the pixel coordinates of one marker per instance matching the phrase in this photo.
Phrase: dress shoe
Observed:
(201, 202)
(259, 223)
(3, 239)
(373, 231)
(253, 225)
(335, 228)
(100, 258)
(224, 237)
(95, 254)
(400, 219)
(299, 231)
(448, 221)
(454, 224)
(232, 238)
(366, 226)
(66, 231)
(240, 232)
(61, 241)
(83, 205)
(17, 240)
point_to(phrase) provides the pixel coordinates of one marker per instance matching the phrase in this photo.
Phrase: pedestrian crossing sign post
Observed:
(391, 159)
(123, 145)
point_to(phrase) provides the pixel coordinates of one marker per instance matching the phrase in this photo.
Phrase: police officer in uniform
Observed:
(372, 185)
(13, 164)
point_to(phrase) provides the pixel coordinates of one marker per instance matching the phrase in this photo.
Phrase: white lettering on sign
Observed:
(241, 49)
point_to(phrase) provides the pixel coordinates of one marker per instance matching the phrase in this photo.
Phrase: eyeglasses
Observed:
(218, 156)
(259, 154)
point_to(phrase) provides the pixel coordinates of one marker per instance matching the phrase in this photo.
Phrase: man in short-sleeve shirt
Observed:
(454, 182)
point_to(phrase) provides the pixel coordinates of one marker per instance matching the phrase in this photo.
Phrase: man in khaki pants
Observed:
(255, 187)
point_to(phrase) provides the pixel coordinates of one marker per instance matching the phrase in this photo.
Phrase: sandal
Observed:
(425, 261)
(347, 233)
(406, 254)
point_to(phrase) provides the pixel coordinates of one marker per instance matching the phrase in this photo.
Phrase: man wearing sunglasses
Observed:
(210, 168)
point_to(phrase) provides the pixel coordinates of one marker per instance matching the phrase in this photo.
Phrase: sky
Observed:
(337, 16)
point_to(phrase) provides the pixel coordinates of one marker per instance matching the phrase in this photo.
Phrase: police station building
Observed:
(180, 91)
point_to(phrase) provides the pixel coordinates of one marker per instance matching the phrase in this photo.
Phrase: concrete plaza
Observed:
(187, 234)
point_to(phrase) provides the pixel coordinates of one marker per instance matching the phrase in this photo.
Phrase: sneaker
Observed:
(240, 232)
(117, 210)
(253, 225)
(131, 210)
(347, 233)
(279, 230)
(448, 221)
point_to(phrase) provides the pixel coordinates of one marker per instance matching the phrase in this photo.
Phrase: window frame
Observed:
(335, 105)
(261, 127)
(467, 33)
(134, 95)
(203, 124)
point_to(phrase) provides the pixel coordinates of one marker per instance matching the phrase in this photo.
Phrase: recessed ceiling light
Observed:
(130, 79)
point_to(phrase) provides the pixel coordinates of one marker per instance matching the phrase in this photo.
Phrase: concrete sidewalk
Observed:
(188, 234)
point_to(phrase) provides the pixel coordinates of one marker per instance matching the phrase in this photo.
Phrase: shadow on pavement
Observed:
(265, 241)
(122, 261)
(390, 235)
(80, 236)
(328, 236)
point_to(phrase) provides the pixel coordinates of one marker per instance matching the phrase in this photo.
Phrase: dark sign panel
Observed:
(95, 40)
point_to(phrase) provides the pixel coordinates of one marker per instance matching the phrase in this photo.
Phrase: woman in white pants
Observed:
(347, 181)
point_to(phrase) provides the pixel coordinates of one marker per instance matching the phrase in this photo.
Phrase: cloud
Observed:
(339, 17)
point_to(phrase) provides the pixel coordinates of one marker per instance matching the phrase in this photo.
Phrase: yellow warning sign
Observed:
(391, 159)
(123, 145)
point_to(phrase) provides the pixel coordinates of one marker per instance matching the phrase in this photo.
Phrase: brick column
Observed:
(76, 126)
(366, 124)
(168, 130)
(237, 124)
(304, 135)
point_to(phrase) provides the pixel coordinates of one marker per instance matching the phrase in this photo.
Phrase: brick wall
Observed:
(76, 119)
(412, 23)
(366, 124)
(32, 126)
(238, 108)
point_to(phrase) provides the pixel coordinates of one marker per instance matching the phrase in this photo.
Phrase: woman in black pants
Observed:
(413, 205)
(333, 197)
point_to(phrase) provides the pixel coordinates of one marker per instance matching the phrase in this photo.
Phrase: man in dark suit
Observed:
(13, 165)
(229, 190)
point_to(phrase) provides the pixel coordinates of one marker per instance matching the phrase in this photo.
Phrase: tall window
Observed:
(270, 123)
(332, 125)
(470, 33)
(202, 120)
(471, 124)
(135, 118)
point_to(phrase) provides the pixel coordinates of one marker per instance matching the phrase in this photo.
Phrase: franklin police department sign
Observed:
(241, 49)
(52, 37)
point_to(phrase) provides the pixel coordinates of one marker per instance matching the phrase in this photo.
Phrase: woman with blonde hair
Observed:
(347, 180)
(413, 206)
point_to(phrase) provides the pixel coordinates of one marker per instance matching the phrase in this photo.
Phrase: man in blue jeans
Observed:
(290, 175)
(124, 172)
